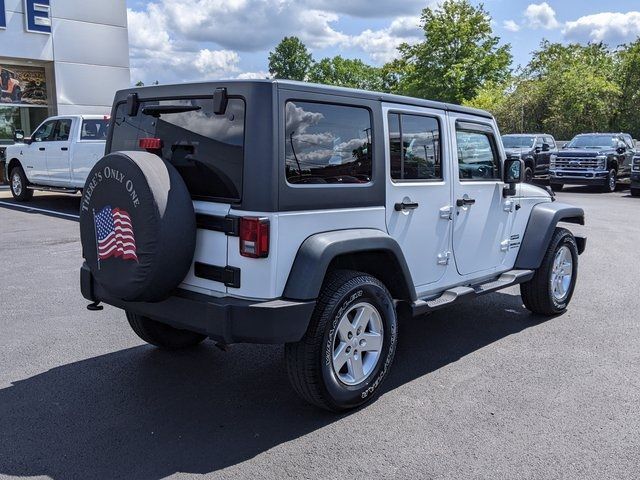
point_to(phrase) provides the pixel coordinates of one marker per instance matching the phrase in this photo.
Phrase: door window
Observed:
(45, 132)
(477, 156)
(327, 144)
(61, 132)
(414, 142)
(549, 141)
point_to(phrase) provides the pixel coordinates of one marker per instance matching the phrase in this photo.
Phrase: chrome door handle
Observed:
(463, 202)
(399, 207)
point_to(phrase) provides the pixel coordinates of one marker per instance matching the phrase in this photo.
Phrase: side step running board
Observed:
(53, 189)
(456, 294)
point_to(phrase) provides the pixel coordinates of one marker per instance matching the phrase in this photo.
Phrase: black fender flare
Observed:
(542, 223)
(318, 251)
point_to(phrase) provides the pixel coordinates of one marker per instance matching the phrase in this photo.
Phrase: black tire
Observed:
(537, 294)
(161, 335)
(19, 190)
(528, 175)
(309, 361)
(611, 182)
(635, 192)
(556, 187)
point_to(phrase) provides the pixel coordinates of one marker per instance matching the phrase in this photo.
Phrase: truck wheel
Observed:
(19, 184)
(528, 175)
(612, 181)
(348, 348)
(635, 192)
(556, 187)
(161, 335)
(551, 288)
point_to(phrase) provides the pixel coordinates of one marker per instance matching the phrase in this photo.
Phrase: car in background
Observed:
(57, 157)
(602, 159)
(535, 149)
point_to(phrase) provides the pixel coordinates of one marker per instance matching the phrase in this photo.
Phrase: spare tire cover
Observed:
(137, 226)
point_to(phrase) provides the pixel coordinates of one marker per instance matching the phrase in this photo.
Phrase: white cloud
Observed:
(211, 61)
(609, 27)
(541, 16)
(382, 44)
(254, 75)
(511, 25)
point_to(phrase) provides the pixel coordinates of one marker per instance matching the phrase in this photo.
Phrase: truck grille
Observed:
(577, 163)
(636, 164)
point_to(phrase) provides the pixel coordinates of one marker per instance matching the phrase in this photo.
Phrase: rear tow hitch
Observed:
(95, 307)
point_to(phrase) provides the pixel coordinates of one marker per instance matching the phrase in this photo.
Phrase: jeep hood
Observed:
(531, 191)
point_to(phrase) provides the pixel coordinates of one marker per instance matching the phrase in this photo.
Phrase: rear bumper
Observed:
(582, 177)
(225, 319)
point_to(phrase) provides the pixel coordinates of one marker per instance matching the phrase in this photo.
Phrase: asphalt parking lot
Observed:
(480, 390)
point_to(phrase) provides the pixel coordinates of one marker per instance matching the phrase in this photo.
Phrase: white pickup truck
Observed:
(58, 156)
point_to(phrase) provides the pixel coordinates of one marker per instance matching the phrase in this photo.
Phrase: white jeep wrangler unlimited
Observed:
(284, 212)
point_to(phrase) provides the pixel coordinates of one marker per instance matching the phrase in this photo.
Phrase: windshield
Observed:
(206, 149)
(518, 142)
(593, 141)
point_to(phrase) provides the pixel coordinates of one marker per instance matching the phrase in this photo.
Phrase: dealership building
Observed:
(60, 57)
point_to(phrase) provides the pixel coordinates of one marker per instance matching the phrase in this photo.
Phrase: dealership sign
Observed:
(37, 15)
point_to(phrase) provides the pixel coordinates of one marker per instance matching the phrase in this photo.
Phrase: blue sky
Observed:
(186, 40)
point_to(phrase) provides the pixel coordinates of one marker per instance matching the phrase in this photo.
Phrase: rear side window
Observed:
(206, 149)
(94, 129)
(62, 130)
(327, 144)
(477, 156)
(414, 141)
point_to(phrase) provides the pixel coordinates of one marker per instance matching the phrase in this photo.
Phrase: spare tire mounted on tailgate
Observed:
(137, 226)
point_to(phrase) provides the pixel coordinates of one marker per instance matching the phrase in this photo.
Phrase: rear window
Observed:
(206, 149)
(94, 129)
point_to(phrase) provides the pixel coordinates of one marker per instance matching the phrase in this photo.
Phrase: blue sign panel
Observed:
(38, 15)
(3, 15)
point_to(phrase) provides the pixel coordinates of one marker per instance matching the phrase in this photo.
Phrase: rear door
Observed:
(208, 151)
(482, 220)
(58, 160)
(418, 196)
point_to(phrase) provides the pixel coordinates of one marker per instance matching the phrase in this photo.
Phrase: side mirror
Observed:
(621, 150)
(18, 136)
(546, 147)
(513, 174)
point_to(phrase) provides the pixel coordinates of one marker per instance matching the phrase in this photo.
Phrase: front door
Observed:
(418, 189)
(482, 219)
(35, 154)
(58, 153)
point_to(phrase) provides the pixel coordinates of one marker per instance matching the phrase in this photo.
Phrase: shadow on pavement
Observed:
(60, 206)
(146, 414)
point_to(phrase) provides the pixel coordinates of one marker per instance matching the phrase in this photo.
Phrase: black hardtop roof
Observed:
(185, 88)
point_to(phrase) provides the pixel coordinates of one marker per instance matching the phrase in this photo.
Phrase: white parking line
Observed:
(36, 209)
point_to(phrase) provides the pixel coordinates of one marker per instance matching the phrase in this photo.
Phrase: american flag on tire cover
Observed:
(114, 234)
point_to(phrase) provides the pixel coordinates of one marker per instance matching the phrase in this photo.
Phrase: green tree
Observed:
(457, 57)
(627, 116)
(290, 60)
(345, 72)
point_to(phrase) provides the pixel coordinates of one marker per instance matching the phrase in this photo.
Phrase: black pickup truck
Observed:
(535, 150)
(602, 159)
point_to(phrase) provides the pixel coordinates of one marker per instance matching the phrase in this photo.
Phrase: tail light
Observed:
(254, 237)
(150, 143)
